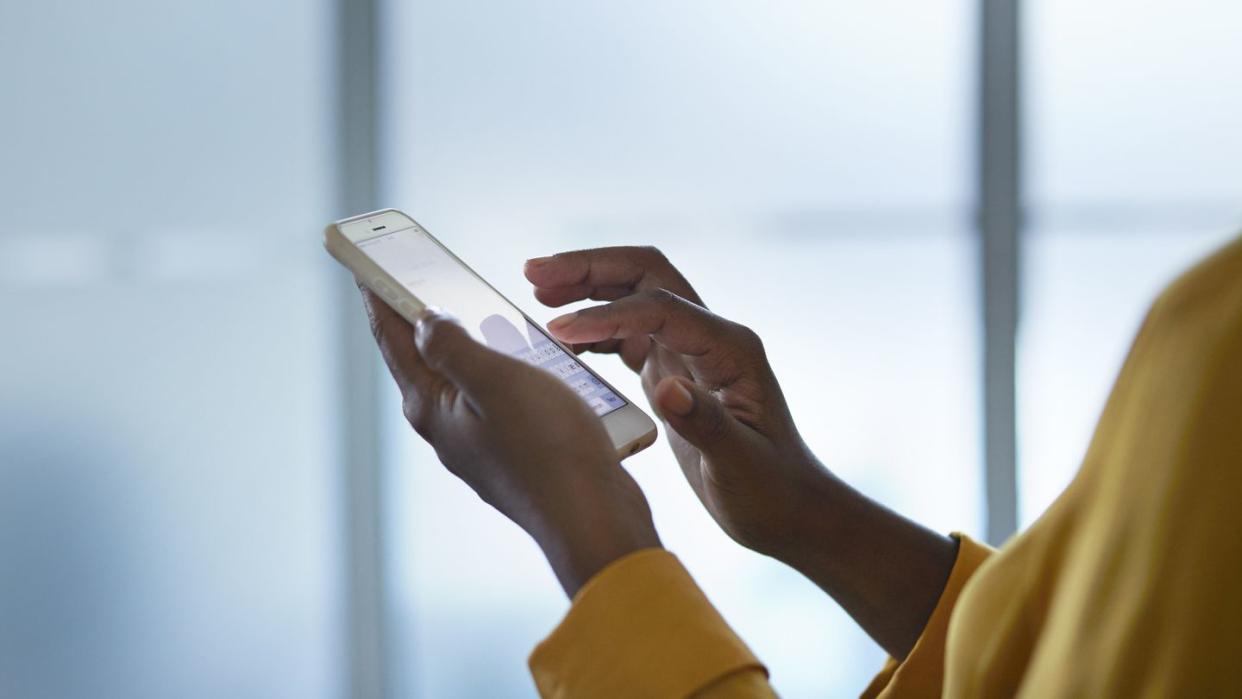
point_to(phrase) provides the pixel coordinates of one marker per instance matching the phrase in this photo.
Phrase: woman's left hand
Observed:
(520, 438)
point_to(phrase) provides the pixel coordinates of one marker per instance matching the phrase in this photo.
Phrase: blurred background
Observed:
(945, 218)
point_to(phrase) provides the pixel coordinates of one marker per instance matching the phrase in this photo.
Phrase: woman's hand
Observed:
(520, 438)
(707, 377)
(736, 441)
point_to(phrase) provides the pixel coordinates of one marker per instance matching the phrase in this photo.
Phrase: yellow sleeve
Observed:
(643, 628)
(921, 674)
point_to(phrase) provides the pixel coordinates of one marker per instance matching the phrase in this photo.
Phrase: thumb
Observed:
(448, 349)
(697, 416)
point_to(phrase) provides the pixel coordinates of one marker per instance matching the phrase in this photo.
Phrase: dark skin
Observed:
(726, 419)
(558, 479)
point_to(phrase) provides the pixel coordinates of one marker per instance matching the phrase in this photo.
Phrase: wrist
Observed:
(598, 526)
(811, 518)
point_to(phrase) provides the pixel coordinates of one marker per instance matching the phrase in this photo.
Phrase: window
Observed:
(167, 484)
(1133, 153)
(188, 464)
(806, 165)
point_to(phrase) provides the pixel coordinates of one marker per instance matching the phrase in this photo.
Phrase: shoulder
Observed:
(1186, 363)
(1205, 297)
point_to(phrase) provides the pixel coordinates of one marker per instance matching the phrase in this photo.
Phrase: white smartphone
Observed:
(403, 264)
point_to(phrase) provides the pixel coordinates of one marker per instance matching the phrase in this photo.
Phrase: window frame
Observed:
(359, 184)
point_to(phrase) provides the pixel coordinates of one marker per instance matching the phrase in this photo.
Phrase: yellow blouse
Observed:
(1129, 585)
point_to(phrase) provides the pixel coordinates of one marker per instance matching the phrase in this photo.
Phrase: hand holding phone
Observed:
(397, 259)
(523, 441)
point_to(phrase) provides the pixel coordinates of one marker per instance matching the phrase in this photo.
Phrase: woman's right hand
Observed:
(710, 382)
(707, 377)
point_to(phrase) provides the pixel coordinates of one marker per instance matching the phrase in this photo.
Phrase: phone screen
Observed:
(421, 265)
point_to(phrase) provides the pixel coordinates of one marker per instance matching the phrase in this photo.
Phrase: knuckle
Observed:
(413, 408)
(655, 261)
(716, 424)
(663, 298)
(748, 338)
(652, 255)
(713, 421)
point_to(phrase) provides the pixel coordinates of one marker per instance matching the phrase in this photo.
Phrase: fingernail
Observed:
(679, 401)
(560, 322)
(536, 262)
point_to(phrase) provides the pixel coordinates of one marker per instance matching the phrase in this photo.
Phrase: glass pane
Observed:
(652, 107)
(167, 515)
(1134, 103)
(1133, 152)
(804, 164)
(1086, 292)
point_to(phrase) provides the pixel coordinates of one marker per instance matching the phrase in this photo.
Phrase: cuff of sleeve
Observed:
(640, 627)
(921, 674)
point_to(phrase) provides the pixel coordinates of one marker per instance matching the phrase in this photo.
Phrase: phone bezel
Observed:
(631, 429)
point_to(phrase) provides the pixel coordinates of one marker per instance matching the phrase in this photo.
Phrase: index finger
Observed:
(604, 274)
(675, 323)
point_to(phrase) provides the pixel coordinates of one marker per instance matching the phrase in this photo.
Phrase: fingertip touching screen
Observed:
(421, 265)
